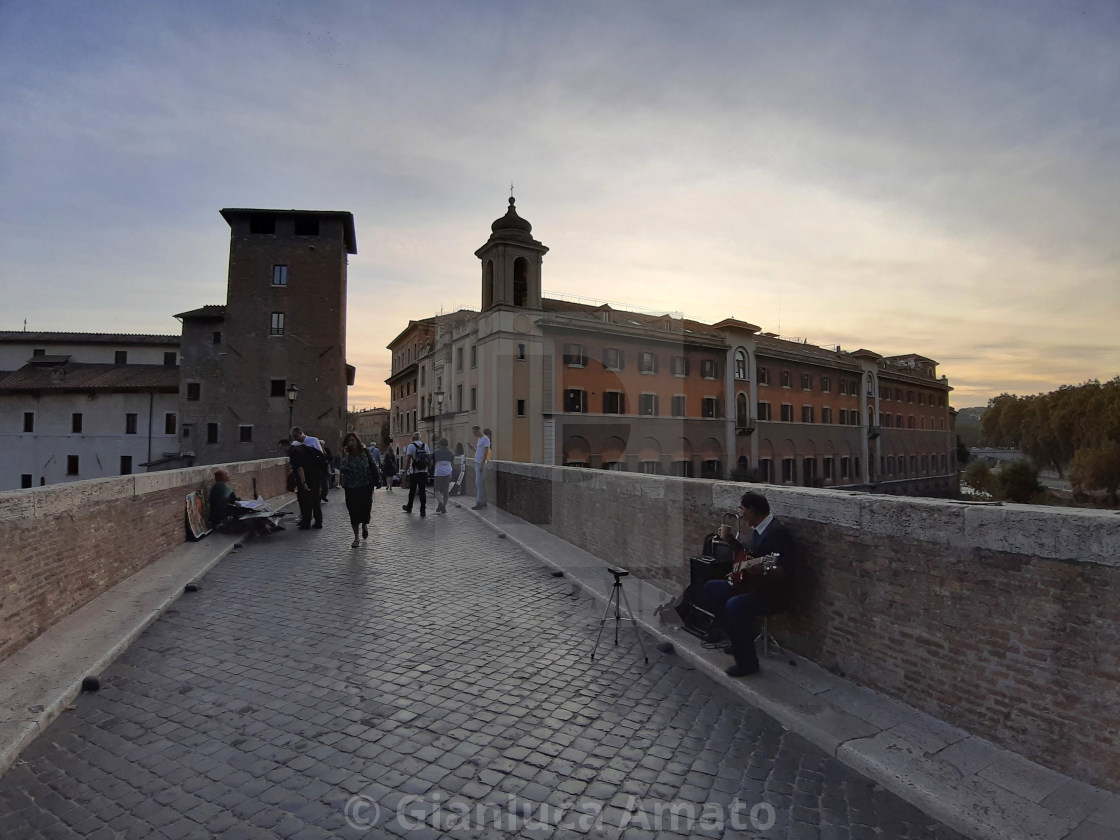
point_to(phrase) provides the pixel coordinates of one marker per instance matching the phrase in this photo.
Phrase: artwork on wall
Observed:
(196, 516)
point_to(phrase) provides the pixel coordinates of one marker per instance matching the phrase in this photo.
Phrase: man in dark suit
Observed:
(764, 589)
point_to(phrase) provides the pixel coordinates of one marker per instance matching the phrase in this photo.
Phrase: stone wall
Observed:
(65, 544)
(1003, 620)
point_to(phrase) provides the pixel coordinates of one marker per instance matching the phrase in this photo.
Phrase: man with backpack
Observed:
(417, 462)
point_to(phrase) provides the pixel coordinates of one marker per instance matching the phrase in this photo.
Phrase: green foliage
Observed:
(978, 476)
(1015, 481)
(962, 451)
(1097, 469)
(1051, 428)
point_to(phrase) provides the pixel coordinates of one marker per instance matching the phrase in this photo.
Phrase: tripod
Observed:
(618, 597)
(770, 644)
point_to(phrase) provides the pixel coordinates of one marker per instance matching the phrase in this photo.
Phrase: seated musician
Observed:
(761, 589)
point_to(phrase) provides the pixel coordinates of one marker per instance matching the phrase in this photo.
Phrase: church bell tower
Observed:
(511, 263)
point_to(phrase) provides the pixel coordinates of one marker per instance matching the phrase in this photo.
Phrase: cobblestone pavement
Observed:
(310, 690)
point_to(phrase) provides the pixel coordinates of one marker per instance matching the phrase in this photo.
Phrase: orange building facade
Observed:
(592, 386)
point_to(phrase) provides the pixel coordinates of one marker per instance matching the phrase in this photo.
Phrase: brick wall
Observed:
(1002, 620)
(65, 544)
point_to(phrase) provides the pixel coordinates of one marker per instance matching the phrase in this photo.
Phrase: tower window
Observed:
(279, 275)
(277, 327)
(520, 282)
(261, 224)
(307, 226)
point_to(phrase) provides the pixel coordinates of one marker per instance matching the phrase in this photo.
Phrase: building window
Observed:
(126, 465)
(612, 358)
(910, 422)
(29, 421)
(647, 362)
(130, 424)
(708, 369)
(826, 385)
(826, 468)
(307, 226)
(614, 402)
(870, 389)
(279, 275)
(39, 351)
(459, 396)
(474, 355)
(169, 420)
(921, 398)
(763, 376)
(278, 388)
(786, 379)
(740, 364)
(809, 471)
(474, 399)
(194, 391)
(521, 408)
(25, 481)
(806, 414)
(575, 400)
(680, 366)
(262, 224)
(766, 467)
(807, 381)
(787, 412)
(845, 468)
(826, 414)
(709, 407)
(574, 355)
(458, 358)
(76, 423)
(216, 338)
(277, 327)
(649, 467)
(764, 411)
(843, 417)
(120, 357)
(186, 431)
(423, 371)
(245, 434)
(789, 471)
(681, 469)
(211, 432)
(843, 387)
(711, 469)
(679, 405)
(648, 405)
(170, 358)
(72, 465)
(741, 411)
(520, 352)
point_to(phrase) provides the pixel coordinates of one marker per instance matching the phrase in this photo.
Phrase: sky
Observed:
(936, 178)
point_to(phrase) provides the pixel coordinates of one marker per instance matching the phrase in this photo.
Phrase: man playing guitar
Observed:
(756, 589)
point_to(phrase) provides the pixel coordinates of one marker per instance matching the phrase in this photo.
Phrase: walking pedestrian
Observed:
(417, 460)
(443, 460)
(358, 472)
(389, 467)
(309, 467)
(481, 456)
(375, 453)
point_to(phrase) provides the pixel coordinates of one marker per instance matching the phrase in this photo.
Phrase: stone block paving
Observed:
(435, 682)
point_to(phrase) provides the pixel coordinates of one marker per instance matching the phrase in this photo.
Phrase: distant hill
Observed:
(968, 424)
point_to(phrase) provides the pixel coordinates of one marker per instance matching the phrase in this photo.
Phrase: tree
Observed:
(1015, 481)
(978, 476)
(962, 451)
(1097, 469)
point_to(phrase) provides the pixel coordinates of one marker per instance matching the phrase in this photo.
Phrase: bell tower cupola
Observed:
(511, 263)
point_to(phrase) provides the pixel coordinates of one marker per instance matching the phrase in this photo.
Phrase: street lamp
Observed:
(293, 392)
(439, 406)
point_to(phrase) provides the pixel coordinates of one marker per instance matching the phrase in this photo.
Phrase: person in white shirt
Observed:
(481, 458)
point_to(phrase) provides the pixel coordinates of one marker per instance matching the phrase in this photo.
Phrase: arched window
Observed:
(521, 282)
(488, 285)
(741, 363)
(870, 385)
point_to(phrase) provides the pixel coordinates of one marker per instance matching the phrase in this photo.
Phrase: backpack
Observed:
(420, 459)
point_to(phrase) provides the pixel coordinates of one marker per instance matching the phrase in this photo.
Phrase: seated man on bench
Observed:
(760, 590)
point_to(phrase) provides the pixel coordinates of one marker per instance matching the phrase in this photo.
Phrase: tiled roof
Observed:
(88, 377)
(34, 337)
(211, 310)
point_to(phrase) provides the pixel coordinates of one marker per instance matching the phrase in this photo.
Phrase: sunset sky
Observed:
(940, 178)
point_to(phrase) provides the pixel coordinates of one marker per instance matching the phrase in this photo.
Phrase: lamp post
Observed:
(439, 421)
(293, 392)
